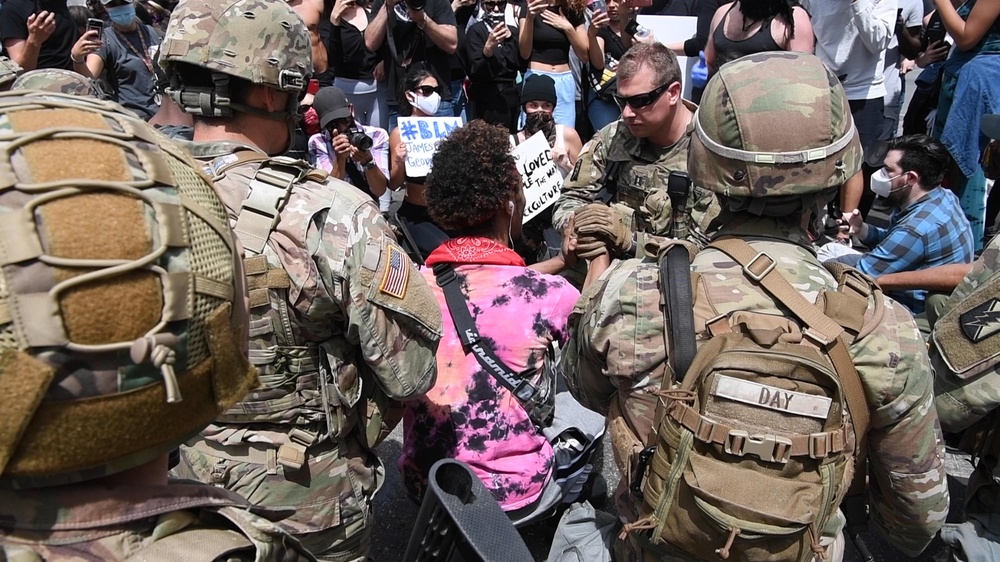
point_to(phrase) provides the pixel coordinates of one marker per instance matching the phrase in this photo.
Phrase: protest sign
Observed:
(422, 135)
(542, 180)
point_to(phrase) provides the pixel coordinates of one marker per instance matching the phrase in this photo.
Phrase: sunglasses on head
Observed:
(639, 101)
(425, 90)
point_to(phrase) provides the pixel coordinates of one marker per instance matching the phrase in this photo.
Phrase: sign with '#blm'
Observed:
(422, 135)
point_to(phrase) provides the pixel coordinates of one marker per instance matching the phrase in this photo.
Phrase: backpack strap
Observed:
(532, 398)
(270, 189)
(826, 333)
(678, 309)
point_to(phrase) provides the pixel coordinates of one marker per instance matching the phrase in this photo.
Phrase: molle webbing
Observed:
(63, 430)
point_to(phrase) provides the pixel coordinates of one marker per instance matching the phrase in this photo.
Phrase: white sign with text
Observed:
(542, 180)
(422, 135)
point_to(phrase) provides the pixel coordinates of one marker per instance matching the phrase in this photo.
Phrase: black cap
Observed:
(538, 87)
(991, 126)
(330, 103)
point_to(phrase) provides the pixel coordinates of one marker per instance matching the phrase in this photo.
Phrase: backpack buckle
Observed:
(751, 268)
(769, 448)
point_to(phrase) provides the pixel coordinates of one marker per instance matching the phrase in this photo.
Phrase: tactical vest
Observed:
(299, 389)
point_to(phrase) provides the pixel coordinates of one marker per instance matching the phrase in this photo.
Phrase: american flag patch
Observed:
(397, 274)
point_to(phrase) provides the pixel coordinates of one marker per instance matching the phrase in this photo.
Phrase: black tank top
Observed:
(727, 50)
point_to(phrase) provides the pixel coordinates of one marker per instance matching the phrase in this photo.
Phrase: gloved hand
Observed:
(598, 225)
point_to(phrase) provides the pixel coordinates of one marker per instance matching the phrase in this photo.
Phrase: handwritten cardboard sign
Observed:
(542, 180)
(422, 135)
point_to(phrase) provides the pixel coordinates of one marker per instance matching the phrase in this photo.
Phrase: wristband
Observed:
(368, 165)
(72, 58)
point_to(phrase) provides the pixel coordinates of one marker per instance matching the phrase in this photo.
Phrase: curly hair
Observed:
(472, 176)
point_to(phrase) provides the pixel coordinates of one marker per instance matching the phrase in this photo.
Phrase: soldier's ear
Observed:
(674, 92)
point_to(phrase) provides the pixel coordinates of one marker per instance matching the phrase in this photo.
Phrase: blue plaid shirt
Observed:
(931, 232)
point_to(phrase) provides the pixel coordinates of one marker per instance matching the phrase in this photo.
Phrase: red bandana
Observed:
(473, 249)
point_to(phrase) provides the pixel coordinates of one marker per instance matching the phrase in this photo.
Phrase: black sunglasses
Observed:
(639, 101)
(494, 4)
(425, 90)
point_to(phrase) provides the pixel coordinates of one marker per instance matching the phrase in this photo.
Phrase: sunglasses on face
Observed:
(425, 91)
(492, 6)
(639, 101)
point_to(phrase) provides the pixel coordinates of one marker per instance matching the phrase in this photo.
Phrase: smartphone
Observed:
(935, 31)
(95, 24)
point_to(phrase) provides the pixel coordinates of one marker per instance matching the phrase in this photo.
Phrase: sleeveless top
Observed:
(727, 49)
(990, 43)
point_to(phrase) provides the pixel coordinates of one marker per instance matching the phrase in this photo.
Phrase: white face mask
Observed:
(428, 105)
(882, 183)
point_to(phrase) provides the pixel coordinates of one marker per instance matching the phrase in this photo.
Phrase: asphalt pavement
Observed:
(395, 514)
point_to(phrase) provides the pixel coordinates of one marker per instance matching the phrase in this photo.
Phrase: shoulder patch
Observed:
(396, 275)
(982, 321)
(576, 169)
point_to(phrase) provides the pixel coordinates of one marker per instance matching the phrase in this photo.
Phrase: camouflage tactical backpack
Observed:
(757, 435)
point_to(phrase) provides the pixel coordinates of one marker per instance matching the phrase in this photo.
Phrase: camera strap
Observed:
(520, 387)
(390, 26)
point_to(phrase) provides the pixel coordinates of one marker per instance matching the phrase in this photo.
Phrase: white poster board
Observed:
(674, 29)
(422, 135)
(542, 180)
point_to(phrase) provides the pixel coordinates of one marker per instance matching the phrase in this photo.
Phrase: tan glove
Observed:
(599, 223)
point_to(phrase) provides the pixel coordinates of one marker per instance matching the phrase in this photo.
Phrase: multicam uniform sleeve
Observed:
(615, 342)
(391, 312)
(908, 487)
(960, 402)
(583, 183)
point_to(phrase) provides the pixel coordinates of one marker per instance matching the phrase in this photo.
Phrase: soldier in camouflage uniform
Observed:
(9, 71)
(342, 326)
(967, 393)
(639, 152)
(616, 356)
(55, 80)
(123, 329)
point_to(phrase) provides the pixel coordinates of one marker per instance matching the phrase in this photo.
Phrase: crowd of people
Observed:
(778, 280)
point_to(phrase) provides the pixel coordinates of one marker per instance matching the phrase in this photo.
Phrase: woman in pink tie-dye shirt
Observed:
(475, 190)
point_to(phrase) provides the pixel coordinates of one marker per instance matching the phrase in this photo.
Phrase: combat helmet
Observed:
(56, 80)
(260, 41)
(9, 71)
(775, 126)
(123, 319)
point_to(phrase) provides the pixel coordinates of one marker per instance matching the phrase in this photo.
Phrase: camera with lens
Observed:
(358, 138)
(416, 5)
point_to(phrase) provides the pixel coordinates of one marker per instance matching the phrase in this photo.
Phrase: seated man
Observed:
(927, 227)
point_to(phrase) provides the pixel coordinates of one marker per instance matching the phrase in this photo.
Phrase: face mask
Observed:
(537, 121)
(123, 16)
(429, 104)
(882, 183)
